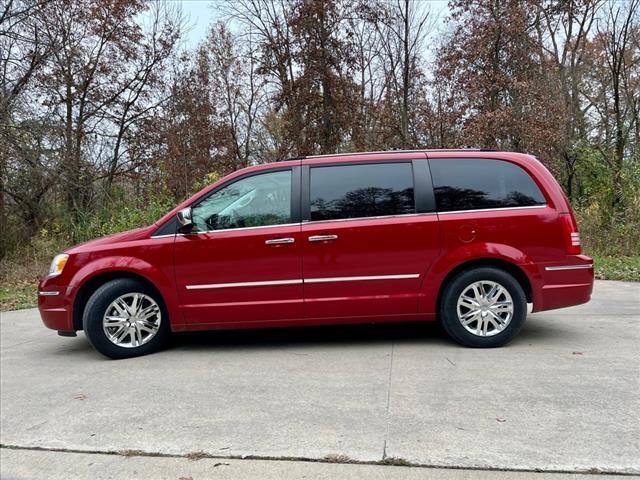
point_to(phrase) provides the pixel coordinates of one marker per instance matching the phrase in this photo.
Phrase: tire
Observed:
(484, 308)
(138, 322)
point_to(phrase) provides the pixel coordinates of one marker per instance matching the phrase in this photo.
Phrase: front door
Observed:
(242, 262)
(368, 239)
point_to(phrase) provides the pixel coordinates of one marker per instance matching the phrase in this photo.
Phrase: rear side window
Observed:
(356, 191)
(471, 184)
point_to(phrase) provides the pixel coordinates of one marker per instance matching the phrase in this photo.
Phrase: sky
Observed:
(201, 13)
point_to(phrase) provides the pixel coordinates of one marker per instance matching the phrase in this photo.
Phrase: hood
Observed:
(129, 235)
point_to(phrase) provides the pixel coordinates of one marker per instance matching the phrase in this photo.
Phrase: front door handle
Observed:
(279, 241)
(322, 238)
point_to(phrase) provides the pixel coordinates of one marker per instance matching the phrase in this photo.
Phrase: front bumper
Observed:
(55, 305)
(566, 283)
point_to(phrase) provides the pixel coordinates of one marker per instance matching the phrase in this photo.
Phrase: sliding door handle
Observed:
(322, 238)
(280, 241)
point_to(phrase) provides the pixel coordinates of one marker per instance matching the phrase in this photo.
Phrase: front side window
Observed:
(357, 191)
(255, 201)
(473, 184)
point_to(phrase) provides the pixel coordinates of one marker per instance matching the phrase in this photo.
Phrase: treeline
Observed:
(105, 119)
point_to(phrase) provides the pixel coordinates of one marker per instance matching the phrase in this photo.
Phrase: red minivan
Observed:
(468, 237)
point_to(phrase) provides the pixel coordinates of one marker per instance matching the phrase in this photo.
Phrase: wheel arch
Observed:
(90, 285)
(511, 268)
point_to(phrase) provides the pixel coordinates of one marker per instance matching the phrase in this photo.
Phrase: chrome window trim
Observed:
(164, 236)
(244, 228)
(226, 230)
(449, 212)
(568, 267)
(50, 293)
(299, 281)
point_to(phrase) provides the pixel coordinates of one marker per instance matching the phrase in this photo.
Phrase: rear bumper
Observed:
(565, 284)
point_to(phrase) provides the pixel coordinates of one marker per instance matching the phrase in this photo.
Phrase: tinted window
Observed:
(474, 184)
(254, 201)
(355, 191)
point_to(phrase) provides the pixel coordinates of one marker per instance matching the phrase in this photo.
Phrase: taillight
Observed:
(571, 234)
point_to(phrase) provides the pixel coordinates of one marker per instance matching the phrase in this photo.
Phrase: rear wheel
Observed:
(126, 318)
(483, 307)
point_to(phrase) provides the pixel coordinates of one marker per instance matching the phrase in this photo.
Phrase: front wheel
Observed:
(483, 307)
(125, 318)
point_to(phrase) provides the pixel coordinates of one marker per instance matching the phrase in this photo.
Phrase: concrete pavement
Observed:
(564, 396)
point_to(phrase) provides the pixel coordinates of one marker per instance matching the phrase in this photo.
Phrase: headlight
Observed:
(57, 265)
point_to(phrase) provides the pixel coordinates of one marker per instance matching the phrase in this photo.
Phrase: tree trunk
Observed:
(404, 112)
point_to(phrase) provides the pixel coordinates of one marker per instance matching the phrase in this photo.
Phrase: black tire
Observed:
(94, 312)
(448, 308)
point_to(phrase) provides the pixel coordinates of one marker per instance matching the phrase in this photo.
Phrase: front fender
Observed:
(455, 258)
(161, 279)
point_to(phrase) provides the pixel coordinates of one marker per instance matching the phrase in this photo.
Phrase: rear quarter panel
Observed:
(528, 237)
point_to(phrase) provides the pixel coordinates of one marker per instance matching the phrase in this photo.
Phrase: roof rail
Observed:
(300, 157)
(422, 150)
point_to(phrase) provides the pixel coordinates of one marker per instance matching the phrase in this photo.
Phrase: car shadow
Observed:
(423, 333)
(535, 330)
(335, 335)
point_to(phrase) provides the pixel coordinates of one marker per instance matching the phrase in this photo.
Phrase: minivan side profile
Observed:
(466, 237)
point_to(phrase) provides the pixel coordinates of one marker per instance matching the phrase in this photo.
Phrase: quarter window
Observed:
(470, 184)
(356, 191)
(255, 201)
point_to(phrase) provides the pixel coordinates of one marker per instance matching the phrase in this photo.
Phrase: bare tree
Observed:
(25, 176)
(403, 26)
(137, 98)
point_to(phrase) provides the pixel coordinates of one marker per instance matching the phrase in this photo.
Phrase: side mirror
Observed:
(185, 223)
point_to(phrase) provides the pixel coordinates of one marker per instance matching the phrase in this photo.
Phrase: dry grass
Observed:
(19, 283)
(199, 455)
(131, 453)
(337, 458)
(21, 270)
(395, 461)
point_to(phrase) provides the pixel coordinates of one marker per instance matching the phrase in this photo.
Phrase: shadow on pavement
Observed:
(426, 333)
(398, 332)
(323, 335)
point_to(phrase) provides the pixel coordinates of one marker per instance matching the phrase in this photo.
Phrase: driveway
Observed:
(563, 397)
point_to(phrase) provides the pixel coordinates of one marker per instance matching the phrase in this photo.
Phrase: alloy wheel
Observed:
(485, 308)
(132, 320)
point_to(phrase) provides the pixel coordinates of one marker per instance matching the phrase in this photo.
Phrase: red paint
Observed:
(431, 245)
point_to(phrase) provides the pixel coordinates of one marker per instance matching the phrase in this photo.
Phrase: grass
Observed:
(19, 280)
(395, 461)
(618, 268)
(19, 295)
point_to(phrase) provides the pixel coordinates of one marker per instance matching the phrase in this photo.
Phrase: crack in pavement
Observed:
(386, 434)
(202, 455)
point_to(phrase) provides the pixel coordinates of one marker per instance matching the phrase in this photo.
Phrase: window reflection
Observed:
(356, 191)
(470, 184)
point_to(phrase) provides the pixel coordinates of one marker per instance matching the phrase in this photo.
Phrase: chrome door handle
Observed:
(322, 238)
(279, 241)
